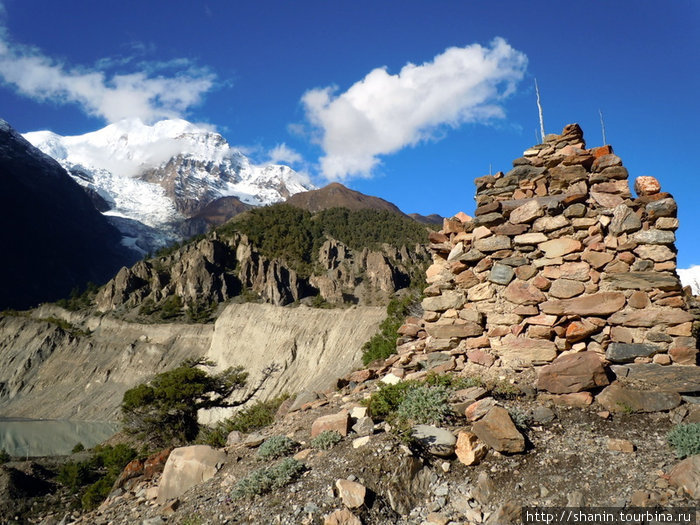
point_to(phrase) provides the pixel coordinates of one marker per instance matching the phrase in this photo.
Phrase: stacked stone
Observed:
(560, 258)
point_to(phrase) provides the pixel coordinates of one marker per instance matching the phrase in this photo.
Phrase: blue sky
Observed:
(308, 75)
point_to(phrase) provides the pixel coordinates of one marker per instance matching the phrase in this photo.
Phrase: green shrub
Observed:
(277, 447)
(520, 418)
(384, 403)
(97, 492)
(200, 312)
(4, 456)
(75, 475)
(79, 447)
(266, 479)
(425, 404)
(171, 307)
(383, 343)
(79, 300)
(326, 440)
(259, 415)
(685, 439)
(452, 381)
(505, 390)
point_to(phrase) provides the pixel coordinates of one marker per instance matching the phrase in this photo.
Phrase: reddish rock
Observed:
(684, 329)
(478, 342)
(566, 288)
(580, 330)
(576, 399)
(462, 217)
(572, 373)
(684, 354)
(479, 409)
(638, 300)
(602, 303)
(132, 470)
(541, 282)
(341, 517)
(466, 280)
(480, 357)
(539, 332)
(686, 475)
(646, 185)
(360, 376)
(468, 449)
(520, 292)
(597, 259)
(606, 161)
(601, 150)
(409, 330)
(452, 226)
(498, 431)
(650, 317)
(559, 247)
(339, 422)
(352, 493)
(620, 445)
(155, 463)
(438, 238)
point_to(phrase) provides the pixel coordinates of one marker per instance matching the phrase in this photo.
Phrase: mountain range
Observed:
(160, 183)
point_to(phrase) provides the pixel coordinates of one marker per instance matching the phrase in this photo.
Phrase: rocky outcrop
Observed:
(218, 268)
(53, 239)
(55, 371)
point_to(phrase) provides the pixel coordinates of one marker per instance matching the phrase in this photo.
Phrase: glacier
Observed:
(155, 177)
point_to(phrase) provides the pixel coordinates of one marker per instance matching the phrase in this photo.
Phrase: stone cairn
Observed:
(561, 269)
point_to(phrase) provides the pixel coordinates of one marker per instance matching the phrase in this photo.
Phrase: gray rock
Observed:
(654, 237)
(364, 426)
(627, 352)
(636, 280)
(493, 243)
(541, 414)
(668, 378)
(662, 208)
(501, 274)
(435, 440)
(624, 220)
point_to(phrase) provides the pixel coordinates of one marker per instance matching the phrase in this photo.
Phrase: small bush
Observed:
(75, 475)
(685, 439)
(326, 440)
(79, 447)
(97, 492)
(277, 447)
(265, 479)
(452, 381)
(425, 404)
(259, 415)
(385, 401)
(383, 343)
(4, 456)
(505, 390)
(520, 419)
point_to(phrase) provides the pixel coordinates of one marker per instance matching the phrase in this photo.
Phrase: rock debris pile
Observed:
(561, 266)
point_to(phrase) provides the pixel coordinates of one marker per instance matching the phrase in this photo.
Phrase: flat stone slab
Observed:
(620, 398)
(603, 303)
(627, 352)
(673, 378)
(643, 281)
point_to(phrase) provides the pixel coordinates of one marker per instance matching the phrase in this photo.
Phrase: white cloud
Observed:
(283, 154)
(145, 94)
(383, 113)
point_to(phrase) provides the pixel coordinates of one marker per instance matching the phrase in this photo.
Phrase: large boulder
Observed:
(187, 467)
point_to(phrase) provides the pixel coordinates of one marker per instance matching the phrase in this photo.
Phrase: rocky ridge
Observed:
(219, 267)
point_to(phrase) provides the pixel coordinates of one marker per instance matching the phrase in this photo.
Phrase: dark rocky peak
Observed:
(53, 238)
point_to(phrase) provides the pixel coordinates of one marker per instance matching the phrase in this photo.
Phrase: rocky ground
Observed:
(573, 456)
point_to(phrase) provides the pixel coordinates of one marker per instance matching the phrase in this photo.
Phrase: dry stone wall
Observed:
(559, 259)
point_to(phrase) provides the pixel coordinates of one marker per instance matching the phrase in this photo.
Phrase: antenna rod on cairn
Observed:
(602, 127)
(539, 107)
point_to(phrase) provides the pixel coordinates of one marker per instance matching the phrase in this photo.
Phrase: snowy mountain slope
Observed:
(690, 277)
(160, 175)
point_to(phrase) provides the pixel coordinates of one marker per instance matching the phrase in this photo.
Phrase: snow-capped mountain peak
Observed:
(159, 175)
